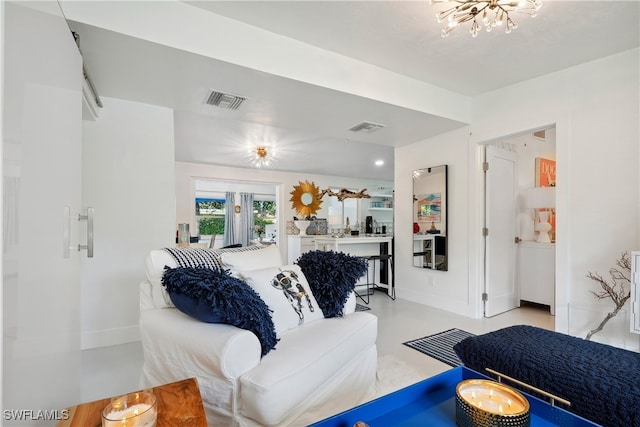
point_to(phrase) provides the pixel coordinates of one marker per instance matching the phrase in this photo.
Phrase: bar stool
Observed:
(374, 258)
(368, 258)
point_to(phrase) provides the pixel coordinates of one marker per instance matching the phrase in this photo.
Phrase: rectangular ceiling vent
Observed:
(224, 100)
(366, 127)
(541, 134)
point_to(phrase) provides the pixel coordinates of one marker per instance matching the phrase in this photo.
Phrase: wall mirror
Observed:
(305, 199)
(430, 218)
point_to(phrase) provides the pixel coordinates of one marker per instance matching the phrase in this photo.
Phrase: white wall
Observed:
(595, 107)
(449, 290)
(187, 173)
(128, 177)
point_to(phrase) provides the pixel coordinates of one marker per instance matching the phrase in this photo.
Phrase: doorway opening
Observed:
(519, 222)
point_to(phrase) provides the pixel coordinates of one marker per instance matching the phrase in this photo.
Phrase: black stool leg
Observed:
(368, 283)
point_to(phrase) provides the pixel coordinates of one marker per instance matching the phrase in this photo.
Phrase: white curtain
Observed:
(229, 219)
(246, 218)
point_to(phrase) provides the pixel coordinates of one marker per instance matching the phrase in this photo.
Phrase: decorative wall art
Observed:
(430, 207)
(346, 194)
(545, 172)
(546, 177)
(306, 199)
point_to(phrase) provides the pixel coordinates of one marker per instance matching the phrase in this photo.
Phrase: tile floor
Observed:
(114, 370)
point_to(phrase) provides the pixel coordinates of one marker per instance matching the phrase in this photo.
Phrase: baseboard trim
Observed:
(109, 337)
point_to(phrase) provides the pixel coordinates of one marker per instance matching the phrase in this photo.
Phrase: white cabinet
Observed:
(297, 245)
(42, 170)
(536, 273)
(635, 292)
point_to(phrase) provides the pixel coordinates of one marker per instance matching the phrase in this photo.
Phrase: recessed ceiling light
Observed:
(379, 162)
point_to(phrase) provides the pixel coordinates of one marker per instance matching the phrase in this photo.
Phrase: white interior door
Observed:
(41, 170)
(500, 291)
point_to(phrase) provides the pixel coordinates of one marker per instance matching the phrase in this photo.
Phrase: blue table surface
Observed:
(432, 402)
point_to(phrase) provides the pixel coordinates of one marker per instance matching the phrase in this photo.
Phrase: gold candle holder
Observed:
(484, 403)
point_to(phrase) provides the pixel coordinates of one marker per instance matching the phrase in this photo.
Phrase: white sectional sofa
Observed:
(315, 370)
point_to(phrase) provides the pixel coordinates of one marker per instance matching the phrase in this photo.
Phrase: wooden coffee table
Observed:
(179, 404)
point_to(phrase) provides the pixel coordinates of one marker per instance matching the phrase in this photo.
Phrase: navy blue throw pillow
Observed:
(195, 308)
(332, 276)
(214, 296)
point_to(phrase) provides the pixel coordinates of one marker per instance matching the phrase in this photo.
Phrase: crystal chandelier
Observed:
(262, 156)
(492, 13)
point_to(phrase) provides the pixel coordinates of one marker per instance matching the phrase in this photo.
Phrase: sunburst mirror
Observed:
(305, 198)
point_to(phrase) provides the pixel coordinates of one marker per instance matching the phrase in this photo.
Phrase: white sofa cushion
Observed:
(306, 358)
(290, 306)
(154, 267)
(269, 256)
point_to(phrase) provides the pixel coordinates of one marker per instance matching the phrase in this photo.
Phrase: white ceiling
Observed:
(309, 124)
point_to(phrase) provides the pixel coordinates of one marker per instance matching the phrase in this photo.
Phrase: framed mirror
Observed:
(430, 191)
(305, 199)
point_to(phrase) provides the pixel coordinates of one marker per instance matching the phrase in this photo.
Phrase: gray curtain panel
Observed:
(246, 218)
(229, 219)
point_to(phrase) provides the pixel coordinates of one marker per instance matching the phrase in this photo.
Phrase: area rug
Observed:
(360, 307)
(393, 374)
(440, 345)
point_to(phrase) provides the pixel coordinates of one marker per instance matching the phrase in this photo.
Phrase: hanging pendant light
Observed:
(262, 156)
(491, 13)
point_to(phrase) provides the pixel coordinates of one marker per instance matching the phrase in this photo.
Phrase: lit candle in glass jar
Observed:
(132, 410)
(501, 404)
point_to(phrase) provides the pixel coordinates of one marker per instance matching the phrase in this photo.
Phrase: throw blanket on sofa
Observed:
(601, 382)
(196, 257)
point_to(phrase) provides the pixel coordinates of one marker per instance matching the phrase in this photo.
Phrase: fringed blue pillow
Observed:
(332, 276)
(214, 296)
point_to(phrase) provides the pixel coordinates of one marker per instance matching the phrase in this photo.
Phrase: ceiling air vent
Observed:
(366, 127)
(224, 100)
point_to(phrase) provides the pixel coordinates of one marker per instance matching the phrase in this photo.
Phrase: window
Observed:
(339, 211)
(264, 219)
(210, 209)
(210, 216)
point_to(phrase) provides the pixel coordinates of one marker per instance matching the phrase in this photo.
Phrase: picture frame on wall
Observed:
(545, 172)
(546, 177)
(430, 207)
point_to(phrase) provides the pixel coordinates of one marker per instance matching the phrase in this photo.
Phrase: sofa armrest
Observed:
(171, 339)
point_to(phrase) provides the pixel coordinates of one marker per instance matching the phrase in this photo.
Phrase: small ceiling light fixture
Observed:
(379, 162)
(262, 156)
(493, 13)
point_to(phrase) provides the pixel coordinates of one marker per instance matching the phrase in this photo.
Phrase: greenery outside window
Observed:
(210, 214)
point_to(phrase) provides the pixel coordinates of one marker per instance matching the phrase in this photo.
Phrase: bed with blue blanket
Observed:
(601, 382)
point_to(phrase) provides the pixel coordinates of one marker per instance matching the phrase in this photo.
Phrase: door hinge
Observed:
(485, 231)
(485, 296)
(517, 239)
(485, 166)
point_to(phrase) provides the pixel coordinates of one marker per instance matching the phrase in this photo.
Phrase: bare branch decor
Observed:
(618, 289)
(346, 194)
